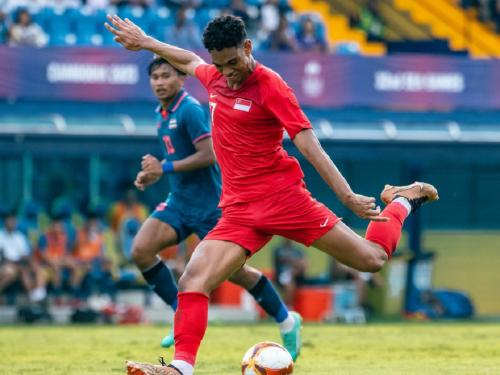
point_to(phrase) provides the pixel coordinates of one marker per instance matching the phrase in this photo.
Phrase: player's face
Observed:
(234, 63)
(165, 82)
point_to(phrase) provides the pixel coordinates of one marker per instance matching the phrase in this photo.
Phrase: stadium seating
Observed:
(447, 20)
(337, 27)
(84, 26)
(409, 25)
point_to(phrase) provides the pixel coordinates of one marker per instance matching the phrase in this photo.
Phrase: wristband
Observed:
(167, 167)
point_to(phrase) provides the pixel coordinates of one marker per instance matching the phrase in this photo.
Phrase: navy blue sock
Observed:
(267, 297)
(162, 282)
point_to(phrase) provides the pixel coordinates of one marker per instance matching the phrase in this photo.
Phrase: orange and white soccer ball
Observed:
(267, 358)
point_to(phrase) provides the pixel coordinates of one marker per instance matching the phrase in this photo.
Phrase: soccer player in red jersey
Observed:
(263, 193)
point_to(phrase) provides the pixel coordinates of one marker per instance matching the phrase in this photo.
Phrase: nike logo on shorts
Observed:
(324, 224)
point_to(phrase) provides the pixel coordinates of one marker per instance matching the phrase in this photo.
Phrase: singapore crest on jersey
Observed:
(242, 105)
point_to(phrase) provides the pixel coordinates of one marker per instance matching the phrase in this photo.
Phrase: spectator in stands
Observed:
(29, 223)
(97, 4)
(270, 16)
(61, 4)
(486, 8)
(63, 209)
(290, 266)
(238, 8)
(184, 33)
(496, 15)
(283, 38)
(308, 39)
(89, 253)
(176, 4)
(133, 3)
(362, 280)
(26, 33)
(370, 21)
(16, 262)
(55, 252)
(125, 218)
(4, 28)
(129, 207)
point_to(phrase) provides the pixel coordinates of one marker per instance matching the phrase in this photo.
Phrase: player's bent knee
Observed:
(141, 254)
(246, 277)
(192, 282)
(374, 262)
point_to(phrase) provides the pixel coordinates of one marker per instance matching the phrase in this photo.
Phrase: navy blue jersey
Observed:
(180, 127)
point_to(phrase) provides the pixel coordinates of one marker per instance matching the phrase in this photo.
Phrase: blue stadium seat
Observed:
(59, 38)
(85, 27)
(217, 4)
(59, 28)
(255, 3)
(108, 39)
(204, 15)
(136, 15)
(42, 17)
(158, 20)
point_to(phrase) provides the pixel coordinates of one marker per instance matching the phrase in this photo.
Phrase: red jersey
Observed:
(247, 132)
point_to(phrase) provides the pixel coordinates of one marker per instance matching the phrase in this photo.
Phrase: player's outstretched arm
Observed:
(133, 38)
(309, 146)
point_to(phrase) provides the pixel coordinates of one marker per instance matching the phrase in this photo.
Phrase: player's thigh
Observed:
(246, 277)
(212, 262)
(351, 249)
(153, 236)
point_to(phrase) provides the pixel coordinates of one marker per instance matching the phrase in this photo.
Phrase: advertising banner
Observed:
(420, 82)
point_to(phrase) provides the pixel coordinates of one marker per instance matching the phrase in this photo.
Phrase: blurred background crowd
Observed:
(273, 24)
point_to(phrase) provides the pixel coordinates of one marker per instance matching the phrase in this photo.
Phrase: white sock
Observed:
(403, 202)
(287, 324)
(185, 367)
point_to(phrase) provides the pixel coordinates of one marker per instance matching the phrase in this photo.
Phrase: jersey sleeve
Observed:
(205, 73)
(194, 120)
(281, 101)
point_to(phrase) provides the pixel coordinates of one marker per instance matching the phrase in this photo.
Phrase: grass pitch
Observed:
(374, 349)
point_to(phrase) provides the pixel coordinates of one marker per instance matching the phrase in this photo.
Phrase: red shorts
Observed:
(291, 213)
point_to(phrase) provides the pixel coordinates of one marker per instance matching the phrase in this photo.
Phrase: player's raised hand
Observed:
(365, 207)
(127, 33)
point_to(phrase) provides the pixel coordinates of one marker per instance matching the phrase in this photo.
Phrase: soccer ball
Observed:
(267, 358)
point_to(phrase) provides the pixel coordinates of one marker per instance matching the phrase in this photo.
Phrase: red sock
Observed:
(387, 234)
(190, 325)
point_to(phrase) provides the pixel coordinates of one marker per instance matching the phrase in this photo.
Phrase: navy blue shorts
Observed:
(184, 225)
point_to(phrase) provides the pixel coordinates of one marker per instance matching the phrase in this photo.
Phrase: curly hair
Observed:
(224, 32)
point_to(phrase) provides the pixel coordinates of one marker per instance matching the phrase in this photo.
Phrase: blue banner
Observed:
(395, 82)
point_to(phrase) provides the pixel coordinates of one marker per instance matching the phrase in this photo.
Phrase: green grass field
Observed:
(374, 349)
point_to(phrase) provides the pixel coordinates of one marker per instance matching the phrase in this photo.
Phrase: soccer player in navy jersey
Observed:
(263, 193)
(191, 206)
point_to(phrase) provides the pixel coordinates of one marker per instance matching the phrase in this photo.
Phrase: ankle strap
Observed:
(176, 369)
